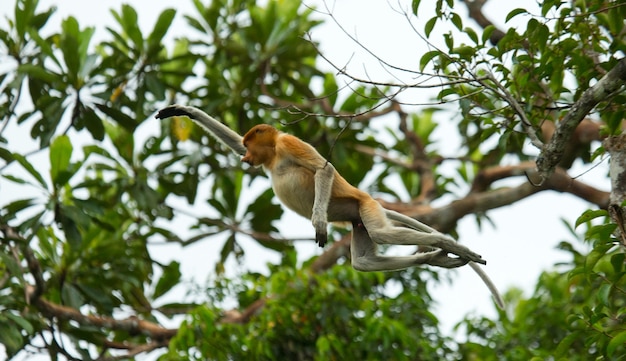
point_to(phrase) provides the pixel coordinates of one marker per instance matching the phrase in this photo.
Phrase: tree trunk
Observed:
(616, 147)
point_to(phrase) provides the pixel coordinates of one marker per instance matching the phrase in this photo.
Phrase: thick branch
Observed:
(553, 151)
(132, 325)
(445, 218)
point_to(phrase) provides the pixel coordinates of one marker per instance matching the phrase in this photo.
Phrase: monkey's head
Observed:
(260, 143)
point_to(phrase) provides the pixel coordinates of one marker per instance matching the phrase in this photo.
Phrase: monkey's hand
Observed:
(172, 110)
(320, 224)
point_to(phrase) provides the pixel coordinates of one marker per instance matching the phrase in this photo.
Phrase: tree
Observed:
(78, 278)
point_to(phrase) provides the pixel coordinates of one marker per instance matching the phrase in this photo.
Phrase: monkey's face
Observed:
(260, 142)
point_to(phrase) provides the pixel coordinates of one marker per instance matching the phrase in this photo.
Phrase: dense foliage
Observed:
(106, 182)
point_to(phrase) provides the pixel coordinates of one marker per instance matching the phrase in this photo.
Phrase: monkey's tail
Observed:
(417, 225)
(489, 283)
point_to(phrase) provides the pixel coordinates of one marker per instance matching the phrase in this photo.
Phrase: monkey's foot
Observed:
(451, 246)
(442, 259)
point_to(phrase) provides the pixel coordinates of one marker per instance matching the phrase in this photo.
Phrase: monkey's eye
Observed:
(259, 131)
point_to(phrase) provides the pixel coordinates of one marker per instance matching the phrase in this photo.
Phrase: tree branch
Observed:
(33, 295)
(33, 264)
(616, 146)
(553, 151)
(445, 218)
(133, 350)
(132, 325)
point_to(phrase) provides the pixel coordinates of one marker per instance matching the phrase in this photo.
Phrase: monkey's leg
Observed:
(382, 231)
(366, 258)
(415, 224)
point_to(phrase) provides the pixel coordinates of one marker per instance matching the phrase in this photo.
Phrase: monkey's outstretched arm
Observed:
(417, 225)
(220, 131)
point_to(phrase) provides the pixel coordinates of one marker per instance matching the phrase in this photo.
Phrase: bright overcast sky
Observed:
(522, 245)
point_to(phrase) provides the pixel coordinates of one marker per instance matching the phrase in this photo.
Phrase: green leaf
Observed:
(514, 13)
(471, 34)
(31, 170)
(617, 261)
(17, 206)
(430, 24)
(169, 279)
(21, 322)
(616, 343)
(6, 155)
(594, 256)
(163, 23)
(68, 217)
(155, 85)
(69, 46)
(39, 20)
(264, 212)
(564, 346)
(415, 5)
(46, 47)
(449, 40)
(72, 297)
(39, 72)
(603, 294)
(120, 117)
(130, 25)
(94, 149)
(330, 88)
(465, 52)
(228, 248)
(97, 294)
(487, 33)
(456, 20)
(15, 179)
(24, 12)
(426, 58)
(10, 336)
(11, 264)
(60, 154)
(589, 215)
(615, 21)
(90, 62)
(93, 123)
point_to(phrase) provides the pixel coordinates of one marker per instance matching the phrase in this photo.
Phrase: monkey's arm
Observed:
(220, 131)
(323, 188)
(306, 156)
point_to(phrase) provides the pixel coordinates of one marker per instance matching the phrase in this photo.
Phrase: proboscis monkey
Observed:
(308, 184)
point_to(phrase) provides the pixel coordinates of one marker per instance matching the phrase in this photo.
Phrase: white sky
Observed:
(517, 251)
